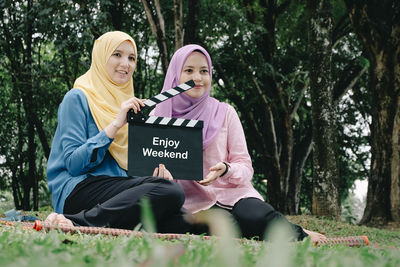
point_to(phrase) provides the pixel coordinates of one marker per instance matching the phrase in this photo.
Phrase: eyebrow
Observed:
(189, 66)
(117, 50)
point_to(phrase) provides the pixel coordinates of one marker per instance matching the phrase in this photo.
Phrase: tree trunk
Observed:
(31, 181)
(178, 18)
(325, 201)
(301, 154)
(383, 184)
(191, 23)
(17, 170)
(395, 183)
(378, 26)
(42, 136)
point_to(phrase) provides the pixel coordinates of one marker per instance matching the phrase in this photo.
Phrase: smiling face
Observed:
(196, 69)
(122, 63)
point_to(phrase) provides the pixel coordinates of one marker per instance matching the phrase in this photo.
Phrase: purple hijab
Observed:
(205, 108)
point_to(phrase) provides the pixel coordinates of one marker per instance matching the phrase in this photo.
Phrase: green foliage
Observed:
(62, 38)
(6, 201)
(352, 209)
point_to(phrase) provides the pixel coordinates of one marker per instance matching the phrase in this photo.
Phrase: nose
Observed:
(196, 76)
(124, 61)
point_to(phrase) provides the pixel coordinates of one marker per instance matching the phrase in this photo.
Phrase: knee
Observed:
(253, 210)
(173, 193)
(177, 193)
(253, 216)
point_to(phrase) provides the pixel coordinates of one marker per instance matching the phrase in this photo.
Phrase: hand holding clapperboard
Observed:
(176, 143)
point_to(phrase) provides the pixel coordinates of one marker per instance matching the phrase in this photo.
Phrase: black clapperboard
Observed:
(176, 143)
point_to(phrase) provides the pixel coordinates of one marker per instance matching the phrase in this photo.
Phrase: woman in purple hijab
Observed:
(226, 162)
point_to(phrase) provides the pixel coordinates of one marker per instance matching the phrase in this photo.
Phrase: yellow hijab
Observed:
(103, 95)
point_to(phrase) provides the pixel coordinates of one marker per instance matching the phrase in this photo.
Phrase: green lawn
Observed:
(19, 247)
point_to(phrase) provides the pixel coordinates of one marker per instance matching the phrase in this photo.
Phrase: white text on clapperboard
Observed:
(165, 143)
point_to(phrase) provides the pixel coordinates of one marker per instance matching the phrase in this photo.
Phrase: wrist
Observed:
(115, 125)
(226, 169)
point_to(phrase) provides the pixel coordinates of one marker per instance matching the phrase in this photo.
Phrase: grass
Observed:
(386, 238)
(21, 247)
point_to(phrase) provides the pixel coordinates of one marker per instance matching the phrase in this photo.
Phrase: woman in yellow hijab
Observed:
(86, 170)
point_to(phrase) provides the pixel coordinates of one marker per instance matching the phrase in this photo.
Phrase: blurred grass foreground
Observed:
(25, 247)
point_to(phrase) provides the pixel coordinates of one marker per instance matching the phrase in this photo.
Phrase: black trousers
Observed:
(254, 217)
(104, 201)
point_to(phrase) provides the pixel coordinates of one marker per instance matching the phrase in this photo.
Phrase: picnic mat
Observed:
(351, 241)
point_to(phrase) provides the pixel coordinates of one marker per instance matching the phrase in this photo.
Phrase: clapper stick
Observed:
(151, 102)
(169, 94)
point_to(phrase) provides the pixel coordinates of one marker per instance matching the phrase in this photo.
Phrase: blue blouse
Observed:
(79, 149)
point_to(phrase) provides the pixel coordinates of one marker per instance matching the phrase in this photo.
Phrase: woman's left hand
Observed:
(132, 103)
(162, 172)
(59, 220)
(215, 172)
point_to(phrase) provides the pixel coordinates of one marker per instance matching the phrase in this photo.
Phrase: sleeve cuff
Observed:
(227, 168)
(101, 139)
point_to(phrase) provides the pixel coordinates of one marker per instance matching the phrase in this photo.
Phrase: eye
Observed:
(204, 71)
(132, 58)
(188, 70)
(117, 54)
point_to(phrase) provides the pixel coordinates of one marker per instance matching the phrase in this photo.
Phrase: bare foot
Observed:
(58, 219)
(315, 237)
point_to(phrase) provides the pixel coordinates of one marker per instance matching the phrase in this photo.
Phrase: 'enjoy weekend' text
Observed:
(165, 143)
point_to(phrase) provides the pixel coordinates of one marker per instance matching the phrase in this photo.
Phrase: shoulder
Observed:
(75, 93)
(73, 103)
(231, 112)
(232, 120)
(75, 96)
(230, 108)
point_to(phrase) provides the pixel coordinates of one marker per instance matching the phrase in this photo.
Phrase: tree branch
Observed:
(270, 116)
(298, 102)
(348, 81)
(249, 116)
(158, 30)
(160, 17)
(150, 16)
(342, 28)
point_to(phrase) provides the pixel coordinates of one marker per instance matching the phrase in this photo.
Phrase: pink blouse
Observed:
(229, 146)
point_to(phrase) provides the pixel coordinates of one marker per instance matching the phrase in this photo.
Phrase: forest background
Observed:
(316, 85)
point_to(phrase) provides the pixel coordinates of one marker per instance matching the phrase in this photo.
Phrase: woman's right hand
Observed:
(132, 103)
(162, 172)
(315, 237)
(215, 172)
